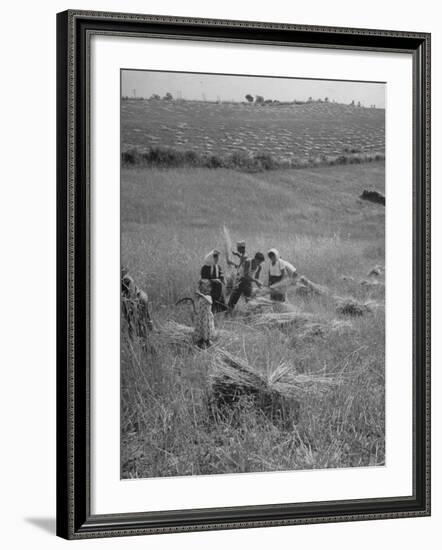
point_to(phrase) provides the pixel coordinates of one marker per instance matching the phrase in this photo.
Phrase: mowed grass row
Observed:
(170, 219)
(283, 131)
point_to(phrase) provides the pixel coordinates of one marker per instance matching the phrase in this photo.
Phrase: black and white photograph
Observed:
(219, 278)
(252, 213)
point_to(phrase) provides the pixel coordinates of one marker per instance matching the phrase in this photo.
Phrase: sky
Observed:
(212, 87)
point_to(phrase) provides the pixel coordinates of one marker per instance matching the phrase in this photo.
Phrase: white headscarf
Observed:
(208, 258)
(274, 252)
(280, 264)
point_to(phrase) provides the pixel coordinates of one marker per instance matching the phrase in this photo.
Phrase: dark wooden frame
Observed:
(74, 29)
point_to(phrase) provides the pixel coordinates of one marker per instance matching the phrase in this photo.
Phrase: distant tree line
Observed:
(167, 97)
(260, 100)
(255, 100)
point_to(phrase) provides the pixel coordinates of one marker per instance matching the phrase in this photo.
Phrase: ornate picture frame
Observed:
(74, 517)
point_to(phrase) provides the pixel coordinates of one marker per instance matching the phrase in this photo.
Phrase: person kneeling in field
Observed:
(248, 274)
(204, 331)
(135, 306)
(279, 271)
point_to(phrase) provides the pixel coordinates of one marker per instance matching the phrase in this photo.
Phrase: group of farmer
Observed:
(216, 293)
(248, 272)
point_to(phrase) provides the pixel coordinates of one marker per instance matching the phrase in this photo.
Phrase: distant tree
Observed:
(359, 103)
(249, 98)
(352, 102)
(259, 99)
(310, 99)
(155, 96)
(326, 99)
(168, 96)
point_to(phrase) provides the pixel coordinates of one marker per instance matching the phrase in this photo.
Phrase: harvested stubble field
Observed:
(286, 132)
(170, 219)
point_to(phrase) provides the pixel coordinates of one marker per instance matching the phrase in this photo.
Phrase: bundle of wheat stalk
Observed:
(230, 274)
(261, 304)
(272, 319)
(305, 287)
(281, 286)
(227, 244)
(278, 395)
(353, 307)
(177, 333)
(306, 325)
(287, 381)
(324, 328)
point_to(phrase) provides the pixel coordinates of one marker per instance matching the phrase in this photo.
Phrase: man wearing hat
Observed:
(239, 268)
(240, 252)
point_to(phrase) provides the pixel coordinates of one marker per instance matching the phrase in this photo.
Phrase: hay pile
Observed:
(352, 307)
(282, 287)
(372, 283)
(303, 287)
(287, 381)
(277, 395)
(176, 333)
(282, 319)
(305, 325)
(376, 271)
(179, 334)
(262, 304)
(322, 329)
(307, 288)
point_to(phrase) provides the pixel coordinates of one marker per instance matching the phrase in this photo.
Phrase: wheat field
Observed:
(170, 218)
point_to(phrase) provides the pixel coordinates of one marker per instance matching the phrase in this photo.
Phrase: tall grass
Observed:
(169, 425)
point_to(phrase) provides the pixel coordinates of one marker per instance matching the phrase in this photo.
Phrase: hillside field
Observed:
(285, 132)
(170, 218)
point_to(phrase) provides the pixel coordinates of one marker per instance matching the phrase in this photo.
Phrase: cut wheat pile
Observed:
(290, 318)
(261, 304)
(305, 325)
(177, 333)
(278, 394)
(355, 308)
